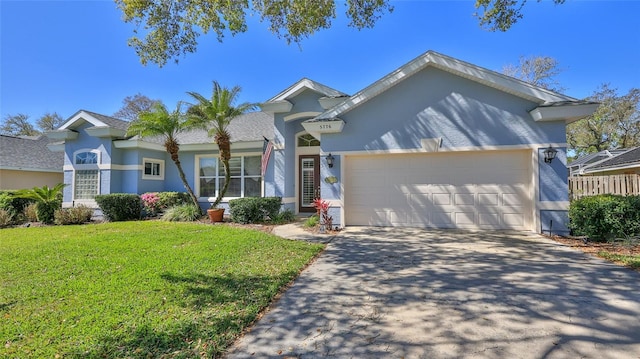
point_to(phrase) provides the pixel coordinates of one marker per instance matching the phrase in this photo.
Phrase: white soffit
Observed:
(569, 112)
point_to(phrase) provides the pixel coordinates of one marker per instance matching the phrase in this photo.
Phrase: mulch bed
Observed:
(595, 247)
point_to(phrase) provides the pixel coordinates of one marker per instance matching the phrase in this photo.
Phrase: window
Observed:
(246, 180)
(152, 169)
(307, 140)
(86, 176)
(86, 184)
(86, 158)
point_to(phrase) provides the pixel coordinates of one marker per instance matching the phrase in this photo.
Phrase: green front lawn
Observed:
(137, 289)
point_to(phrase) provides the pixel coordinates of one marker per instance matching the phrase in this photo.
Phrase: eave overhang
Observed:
(106, 132)
(569, 112)
(61, 135)
(281, 106)
(317, 128)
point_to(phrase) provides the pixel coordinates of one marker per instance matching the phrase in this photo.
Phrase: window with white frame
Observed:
(86, 177)
(152, 169)
(246, 179)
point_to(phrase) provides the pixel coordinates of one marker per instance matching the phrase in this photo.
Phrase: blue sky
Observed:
(63, 56)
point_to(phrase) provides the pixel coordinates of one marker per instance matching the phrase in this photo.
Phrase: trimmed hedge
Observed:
(605, 217)
(118, 207)
(172, 199)
(254, 209)
(12, 204)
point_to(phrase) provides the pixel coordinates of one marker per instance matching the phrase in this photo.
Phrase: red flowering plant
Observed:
(323, 212)
(151, 203)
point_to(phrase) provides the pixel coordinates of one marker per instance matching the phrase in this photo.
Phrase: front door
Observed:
(309, 182)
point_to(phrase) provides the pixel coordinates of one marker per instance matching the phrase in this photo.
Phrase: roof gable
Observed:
(456, 67)
(96, 119)
(304, 84)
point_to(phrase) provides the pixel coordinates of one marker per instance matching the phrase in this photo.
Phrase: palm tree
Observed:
(216, 115)
(162, 123)
(47, 200)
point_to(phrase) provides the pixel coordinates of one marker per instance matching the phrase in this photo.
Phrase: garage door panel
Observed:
(489, 219)
(487, 189)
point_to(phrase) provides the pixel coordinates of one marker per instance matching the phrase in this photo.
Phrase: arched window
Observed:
(307, 140)
(86, 176)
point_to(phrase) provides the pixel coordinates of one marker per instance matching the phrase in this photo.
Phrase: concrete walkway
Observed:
(403, 293)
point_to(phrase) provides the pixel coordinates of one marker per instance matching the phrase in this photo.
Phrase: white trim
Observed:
(300, 151)
(103, 167)
(569, 113)
(27, 169)
(281, 106)
(82, 115)
(457, 67)
(287, 200)
(196, 170)
(152, 161)
(532, 146)
(535, 189)
(299, 115)
(303, 84)
(209, 146)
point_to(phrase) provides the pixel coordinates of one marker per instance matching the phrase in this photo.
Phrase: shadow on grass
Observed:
(215, 311)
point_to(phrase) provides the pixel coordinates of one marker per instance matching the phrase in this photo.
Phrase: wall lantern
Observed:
(549, 154)
(330, 159)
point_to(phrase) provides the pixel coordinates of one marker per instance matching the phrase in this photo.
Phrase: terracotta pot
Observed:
(215, 214)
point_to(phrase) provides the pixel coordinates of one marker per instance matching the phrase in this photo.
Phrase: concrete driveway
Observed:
(406, 293)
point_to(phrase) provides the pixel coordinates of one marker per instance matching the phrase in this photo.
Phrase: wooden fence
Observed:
(594, 185)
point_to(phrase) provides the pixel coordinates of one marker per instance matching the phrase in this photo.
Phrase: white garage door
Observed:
(471, 190)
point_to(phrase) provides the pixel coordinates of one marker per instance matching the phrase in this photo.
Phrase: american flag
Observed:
(267, 147)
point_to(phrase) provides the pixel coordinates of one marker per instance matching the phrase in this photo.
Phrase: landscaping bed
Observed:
(620, 252)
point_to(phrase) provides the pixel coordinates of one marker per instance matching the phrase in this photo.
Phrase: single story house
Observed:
(26, 162)
(607, 162)
(439, 142)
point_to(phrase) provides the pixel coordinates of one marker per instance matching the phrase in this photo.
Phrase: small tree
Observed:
(47, 200)
(216, 115)
(162, 123)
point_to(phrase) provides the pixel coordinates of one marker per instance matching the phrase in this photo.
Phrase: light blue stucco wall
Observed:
(436, 104)
(465, 115)
(86, 142)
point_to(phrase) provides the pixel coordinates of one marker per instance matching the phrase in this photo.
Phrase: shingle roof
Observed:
(29, 153)
(249, 127)
(628, 157)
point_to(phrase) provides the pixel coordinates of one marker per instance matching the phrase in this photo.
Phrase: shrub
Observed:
(120, 206)
(30, 213)
(286, 216)
(172, 199)
(605, 217)
(77, 215)
(13, 204)
(254, 209)
(5, 218)
(151, 203)
(47, 200)
(182, 213)
(312, 221)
